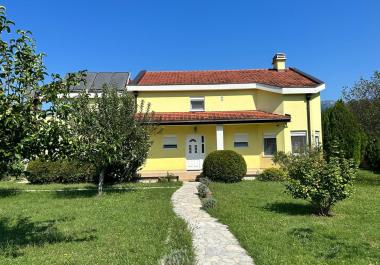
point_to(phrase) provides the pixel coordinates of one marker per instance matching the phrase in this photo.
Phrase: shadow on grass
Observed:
(22, 232)
(70, 193)
(290, 208)
(7, 193)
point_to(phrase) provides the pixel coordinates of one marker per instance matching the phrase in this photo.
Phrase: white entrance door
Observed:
(195, 149)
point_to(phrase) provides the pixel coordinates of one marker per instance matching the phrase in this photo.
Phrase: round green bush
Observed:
(272, 174)
(224, 166)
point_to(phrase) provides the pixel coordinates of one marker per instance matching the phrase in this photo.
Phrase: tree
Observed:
(26, 100)
(341, 132)
(111, 130)
(312, 177)
(363, 99)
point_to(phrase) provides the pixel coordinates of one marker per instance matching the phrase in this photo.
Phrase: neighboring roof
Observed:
(94, 81)
(289, 78)
(215, 117)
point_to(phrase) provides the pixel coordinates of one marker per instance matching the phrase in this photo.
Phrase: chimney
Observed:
(279, 61)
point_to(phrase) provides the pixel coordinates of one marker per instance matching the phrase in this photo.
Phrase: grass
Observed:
(76, 227)
(276, 229)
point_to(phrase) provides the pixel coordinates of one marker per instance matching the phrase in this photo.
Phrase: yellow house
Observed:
(254, 112)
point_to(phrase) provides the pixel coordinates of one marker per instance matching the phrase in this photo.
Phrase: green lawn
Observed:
(76, 227)
(276, 229)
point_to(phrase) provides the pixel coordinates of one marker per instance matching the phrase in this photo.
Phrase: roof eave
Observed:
(245, 86)
(224, 121)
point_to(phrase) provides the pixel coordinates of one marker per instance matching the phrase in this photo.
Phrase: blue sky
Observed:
(336, 41)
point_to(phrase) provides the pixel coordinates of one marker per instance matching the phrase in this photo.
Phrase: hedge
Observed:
(61, 171)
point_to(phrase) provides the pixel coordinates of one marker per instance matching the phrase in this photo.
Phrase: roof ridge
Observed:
(217, 70)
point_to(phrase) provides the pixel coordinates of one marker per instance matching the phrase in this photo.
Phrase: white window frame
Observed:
(198, 99)
(241, 138)
(298, 133)
(317, 135)
(169, 142)
(269, 136)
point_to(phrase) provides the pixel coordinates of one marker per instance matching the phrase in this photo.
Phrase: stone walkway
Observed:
(213, 242)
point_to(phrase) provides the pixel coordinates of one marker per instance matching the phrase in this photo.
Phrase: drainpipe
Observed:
(135, 94)
(308, 97)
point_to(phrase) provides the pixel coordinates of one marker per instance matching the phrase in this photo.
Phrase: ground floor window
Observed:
(241, 140)
(270, 144)
(298, 142)
(317, 139)
(170, 142)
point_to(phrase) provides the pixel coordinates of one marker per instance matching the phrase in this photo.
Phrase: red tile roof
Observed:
(251, 116)
(291, 77)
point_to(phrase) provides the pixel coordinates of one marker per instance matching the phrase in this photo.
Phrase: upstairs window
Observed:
(270, 144)
(241, 140)
(170, 142)
(298, 142)
(197, 104)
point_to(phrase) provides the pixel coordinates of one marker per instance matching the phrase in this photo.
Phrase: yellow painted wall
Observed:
(173, 101)
(175, 159)
(161, 159)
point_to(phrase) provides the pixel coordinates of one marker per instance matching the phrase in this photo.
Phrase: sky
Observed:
(336, 41)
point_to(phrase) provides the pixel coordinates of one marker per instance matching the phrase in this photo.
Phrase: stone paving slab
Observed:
(213, 242)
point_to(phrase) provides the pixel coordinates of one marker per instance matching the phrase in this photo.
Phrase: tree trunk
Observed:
(101, 181)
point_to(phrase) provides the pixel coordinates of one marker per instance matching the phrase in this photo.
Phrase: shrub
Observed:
(176, 257)
(372, 155)
(225, 166)
(61, 171)
(203, 191)
(208, 203)
(322, 182)
(205, 181)
(272, 174)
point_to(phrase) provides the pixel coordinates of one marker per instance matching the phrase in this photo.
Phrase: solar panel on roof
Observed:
(96, 80)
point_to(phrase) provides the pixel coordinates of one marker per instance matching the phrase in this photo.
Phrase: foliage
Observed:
(110, 129)
(272, 174)
(203, 191)
(26, 100)
(60, 171)
(208, 203)
(341, 132)
(372, 154)
(363, 99)
(323, 182)
(176, 257)
(225, 166)
(205, 181)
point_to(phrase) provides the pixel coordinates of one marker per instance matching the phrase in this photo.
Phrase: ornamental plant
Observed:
(32, 110)
(320, 181)
(111, 130)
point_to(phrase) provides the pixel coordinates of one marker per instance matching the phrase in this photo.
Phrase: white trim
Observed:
(197, 99)
(241, 138)
(298, 133)
(269, 135)
(171, 139)
(219, 137)
(274, 89)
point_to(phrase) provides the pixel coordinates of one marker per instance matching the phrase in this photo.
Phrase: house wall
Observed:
(175, 159)
(161, 159)
(178, 101)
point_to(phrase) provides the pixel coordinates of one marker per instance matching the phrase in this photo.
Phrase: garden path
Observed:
(213, 242)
